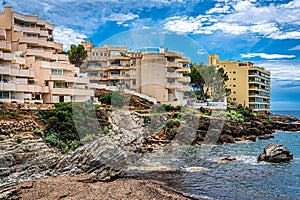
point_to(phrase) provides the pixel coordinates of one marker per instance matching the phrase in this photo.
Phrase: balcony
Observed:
(26, 18)
(174, 54)
(45, 89)
(5, 45)
(5, 69)
(41, 22)
(118, 67)
(173, 86)
(119, 57)
(83, 92)
(28, 88)
(174, 64)
(2, 33)
(44, 33)
(173, 75)
(62, 77)
(49, 26)
(62, 91)
(184, 70)
(35, 52)
(60, 57)
(21, 60)
(185, 79)
(81, 80)
(7, 86)
(185, 88)
(26, 29)
(9, 56)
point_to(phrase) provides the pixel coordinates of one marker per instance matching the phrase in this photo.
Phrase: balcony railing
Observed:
(9, 56)
(175, 64)
(185, 79)
(26, 18)
(173, 75)
(2, 33)
(5, 45)
(7, 86)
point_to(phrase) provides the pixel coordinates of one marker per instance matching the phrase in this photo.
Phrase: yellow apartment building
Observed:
(156, 72)
(249, 84)
(32, 66)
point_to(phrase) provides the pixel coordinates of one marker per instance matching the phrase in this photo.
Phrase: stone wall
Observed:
(8, 127)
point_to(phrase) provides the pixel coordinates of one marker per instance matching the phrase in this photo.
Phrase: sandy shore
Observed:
(83, 187)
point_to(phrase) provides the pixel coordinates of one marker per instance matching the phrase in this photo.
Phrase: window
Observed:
(234, 79)
(93, 74)
(97, 54)
(101, 74)
(114, 73)
(234, 92)
(234, 99)
(114, 63)
(61, 85)
(133, 82)
(234, 85)
(57, 71)
(234, 72)
(4, 95)
(133, 62)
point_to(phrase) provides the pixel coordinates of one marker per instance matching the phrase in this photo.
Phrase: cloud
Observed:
(182, 24)
(67, 36)
(295, 48)
(275, 21)
(266, 56)
(121, 18)
(284, 73)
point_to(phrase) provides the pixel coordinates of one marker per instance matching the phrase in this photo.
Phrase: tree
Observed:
(197, 80)
(209, 80)
(77, 54)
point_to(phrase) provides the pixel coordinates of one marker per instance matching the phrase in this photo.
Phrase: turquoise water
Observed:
(242, 179)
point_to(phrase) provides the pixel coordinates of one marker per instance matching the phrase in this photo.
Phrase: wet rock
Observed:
(226, 139)
(227, 159)
(265, 137)
(275, 153)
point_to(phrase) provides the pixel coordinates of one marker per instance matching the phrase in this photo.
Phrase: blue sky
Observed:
(266, 32)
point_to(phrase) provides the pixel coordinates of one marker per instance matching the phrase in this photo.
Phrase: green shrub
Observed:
(105, 130)
(64, 124)
(169, 107)
(2, 138)
(39, 132)
(19, 140)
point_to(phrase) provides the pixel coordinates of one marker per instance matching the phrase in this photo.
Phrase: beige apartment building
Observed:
(32, 66)
(249, 84)
(156, 72)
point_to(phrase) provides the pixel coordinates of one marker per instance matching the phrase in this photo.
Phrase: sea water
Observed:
(244, 178)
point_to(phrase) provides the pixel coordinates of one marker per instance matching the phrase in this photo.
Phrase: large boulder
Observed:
(275, 153)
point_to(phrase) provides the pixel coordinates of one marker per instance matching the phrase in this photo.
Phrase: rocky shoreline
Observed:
(25, 156)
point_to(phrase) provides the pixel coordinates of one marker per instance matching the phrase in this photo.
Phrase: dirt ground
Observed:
(82, 187)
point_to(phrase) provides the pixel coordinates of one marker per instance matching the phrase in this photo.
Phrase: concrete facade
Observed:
(155, 72)
(249, 84)
(32, 66)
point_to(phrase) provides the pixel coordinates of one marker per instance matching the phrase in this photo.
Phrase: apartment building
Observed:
(155, 72)
(249, 84)
(33, 66)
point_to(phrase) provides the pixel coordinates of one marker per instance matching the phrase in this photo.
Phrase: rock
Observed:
(227, 159)
(265, 137)
(226, 139)
(275, 153)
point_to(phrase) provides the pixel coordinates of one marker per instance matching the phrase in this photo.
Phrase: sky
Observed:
(265, 32)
